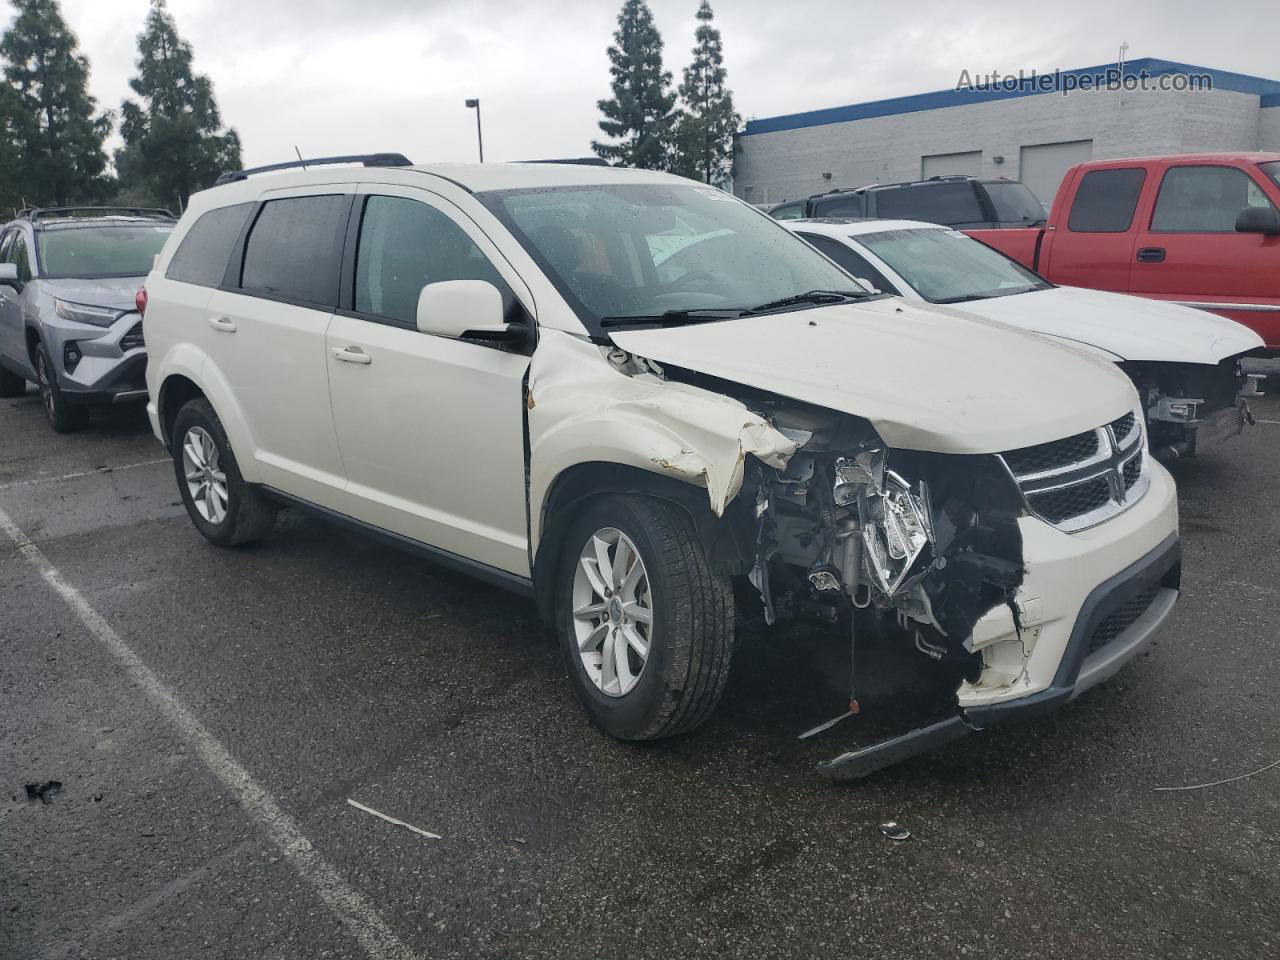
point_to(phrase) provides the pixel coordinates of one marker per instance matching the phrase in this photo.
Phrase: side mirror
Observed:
(9, 275)
(1263, 220)
(868, 284)
(466, 310)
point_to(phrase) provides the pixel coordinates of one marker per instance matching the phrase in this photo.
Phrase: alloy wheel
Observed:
(612, 611)
(206, 480)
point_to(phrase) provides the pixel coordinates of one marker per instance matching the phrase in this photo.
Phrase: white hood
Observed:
(1132, 328)
(926, 379)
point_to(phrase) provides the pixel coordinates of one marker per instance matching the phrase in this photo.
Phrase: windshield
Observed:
(1272, 170)
(106, 251)
(945, 266)
(1015, 203)
(644, 250)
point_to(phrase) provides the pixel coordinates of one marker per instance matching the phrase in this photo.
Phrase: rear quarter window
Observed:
(1105, 200)
(294, 250)
(203, 255)
(947, 203)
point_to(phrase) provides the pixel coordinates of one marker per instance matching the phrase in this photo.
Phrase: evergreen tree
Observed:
(173, 144)
(10, 153)
(640, 114)
(705, 128)
(49, 116)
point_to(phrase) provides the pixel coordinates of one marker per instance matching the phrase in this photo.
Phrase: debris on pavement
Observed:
(43, 791)
(398, 823)
(895, 831)
(1218, 783)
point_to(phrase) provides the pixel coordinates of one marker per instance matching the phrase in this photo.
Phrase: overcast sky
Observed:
(342, 76)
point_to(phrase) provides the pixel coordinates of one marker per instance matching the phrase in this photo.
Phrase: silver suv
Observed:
(69, 321)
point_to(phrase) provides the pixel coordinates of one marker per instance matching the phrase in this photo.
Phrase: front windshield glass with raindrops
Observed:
(645, 250)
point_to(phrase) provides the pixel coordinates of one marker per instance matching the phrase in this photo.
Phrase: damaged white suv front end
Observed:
(950, 484)
(948, 497)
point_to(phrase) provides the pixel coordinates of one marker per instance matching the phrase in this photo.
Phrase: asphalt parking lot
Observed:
(210, 713)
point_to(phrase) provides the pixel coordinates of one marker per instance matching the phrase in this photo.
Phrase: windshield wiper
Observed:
(811, 296)
(672, 317)
(990, 294)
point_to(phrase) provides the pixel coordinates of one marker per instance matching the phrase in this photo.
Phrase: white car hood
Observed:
(1132, 328)
(926, 379)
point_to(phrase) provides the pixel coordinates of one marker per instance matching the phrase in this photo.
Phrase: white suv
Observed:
(619, 391)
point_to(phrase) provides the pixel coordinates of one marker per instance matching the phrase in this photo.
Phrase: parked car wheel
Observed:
(11, 385)
(225, 509)
(64, 416)
(646, 627)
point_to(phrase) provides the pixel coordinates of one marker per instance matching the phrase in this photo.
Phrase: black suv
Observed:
(968, 203)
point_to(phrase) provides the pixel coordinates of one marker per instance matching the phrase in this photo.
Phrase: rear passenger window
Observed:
(404, 245)
(841, 207)
(788, 211)
(294, 250)
(1204, 199)
(852, 262)
(1105, 200)
(202, 256)
(951, 204)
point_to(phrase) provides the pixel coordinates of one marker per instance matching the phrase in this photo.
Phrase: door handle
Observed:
(1151, 255)
(225, 324)
(352, 355)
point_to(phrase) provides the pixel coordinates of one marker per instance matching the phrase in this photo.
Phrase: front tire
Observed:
(646, 627)
(11, 385)
(64, 417)
(226, 510)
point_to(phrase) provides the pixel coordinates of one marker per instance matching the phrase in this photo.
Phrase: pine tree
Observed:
(173, 144)
(50, 117)
(706, 125)
(640, 114)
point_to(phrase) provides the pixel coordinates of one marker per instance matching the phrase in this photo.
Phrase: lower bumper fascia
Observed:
(1078, 671)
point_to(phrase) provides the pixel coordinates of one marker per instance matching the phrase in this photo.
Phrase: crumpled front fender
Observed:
(582, 409)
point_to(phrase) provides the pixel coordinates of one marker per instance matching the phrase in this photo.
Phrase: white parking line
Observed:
(357, 914)
(1272, 422)
(83, 473)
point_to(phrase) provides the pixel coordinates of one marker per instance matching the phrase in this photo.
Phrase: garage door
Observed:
(1043, 165)
(951, 164)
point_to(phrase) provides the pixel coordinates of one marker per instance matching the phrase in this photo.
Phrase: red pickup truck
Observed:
(1198, 229)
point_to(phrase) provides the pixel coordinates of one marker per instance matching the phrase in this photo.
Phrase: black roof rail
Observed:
(368, 159)
(576, 161)
(39, 213)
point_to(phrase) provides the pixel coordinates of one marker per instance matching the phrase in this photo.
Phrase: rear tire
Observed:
(64, 417)
(674, 609)
(226, 510)
(11, 385)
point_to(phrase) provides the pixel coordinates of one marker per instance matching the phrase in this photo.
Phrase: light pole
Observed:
(474, 103)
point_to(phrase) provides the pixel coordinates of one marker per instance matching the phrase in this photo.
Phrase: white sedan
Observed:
(1185, 362)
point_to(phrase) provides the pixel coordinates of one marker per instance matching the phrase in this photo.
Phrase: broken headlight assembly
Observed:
(893, 517)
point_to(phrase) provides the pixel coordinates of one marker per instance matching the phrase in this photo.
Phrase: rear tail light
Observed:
(140, 300)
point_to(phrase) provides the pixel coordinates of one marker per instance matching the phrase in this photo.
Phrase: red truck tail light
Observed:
(140, 300)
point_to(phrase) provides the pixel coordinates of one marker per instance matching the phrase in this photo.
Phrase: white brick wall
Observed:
(1269, 129)
(789, 164)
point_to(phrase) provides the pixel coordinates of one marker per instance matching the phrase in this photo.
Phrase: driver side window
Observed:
(18, 255)
(405, 245)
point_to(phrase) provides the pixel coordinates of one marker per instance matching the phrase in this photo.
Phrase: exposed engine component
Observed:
(930, 538)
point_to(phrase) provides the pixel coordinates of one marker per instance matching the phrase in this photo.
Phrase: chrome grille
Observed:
(133, 338)
(1132, 471)
(1122, 428)
(1053, 455)
(1082, 480)
(1064, 503)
